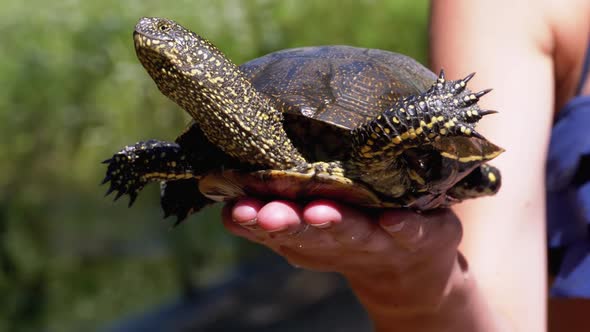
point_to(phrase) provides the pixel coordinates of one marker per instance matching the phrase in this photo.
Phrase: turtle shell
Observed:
(324, 93)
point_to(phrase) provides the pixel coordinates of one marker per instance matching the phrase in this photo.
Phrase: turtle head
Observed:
(179, 61)
(198, 77)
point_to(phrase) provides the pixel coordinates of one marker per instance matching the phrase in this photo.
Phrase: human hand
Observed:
(404, 254)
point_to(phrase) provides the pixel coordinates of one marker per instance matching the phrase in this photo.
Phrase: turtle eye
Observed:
(164, 27)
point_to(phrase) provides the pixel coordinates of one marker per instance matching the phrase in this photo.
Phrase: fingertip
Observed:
(322, 213)
(405, 226)
(394, 219)
(419, 229)
(279, 215)
(245, 210)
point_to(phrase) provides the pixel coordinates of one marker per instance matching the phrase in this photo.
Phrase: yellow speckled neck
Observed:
(203, 81)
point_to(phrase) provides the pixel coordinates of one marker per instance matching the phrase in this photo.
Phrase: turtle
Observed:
(362, 126)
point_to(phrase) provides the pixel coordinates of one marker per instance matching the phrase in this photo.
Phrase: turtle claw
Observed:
(119, 194)
(482, 93)
(132, 198)
(179, 219)
(441, 75)
(109, 191)
(487, 112)
(477, 135)
(105, 180)
(468, 78)
(107, 161)
(123, 176)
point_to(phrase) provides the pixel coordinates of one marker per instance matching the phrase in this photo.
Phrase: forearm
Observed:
(441, 299)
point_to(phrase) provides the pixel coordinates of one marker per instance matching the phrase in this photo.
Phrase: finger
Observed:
(245, 211)
(279, 216)
(232, 226)
(431, 229)
(276, 223)
(347, 226)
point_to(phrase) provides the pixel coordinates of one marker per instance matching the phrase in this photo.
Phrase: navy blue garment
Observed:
(568, 197)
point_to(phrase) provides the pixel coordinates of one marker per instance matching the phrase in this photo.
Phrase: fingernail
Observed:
(250, 222)
(323, 225)
(395, 227)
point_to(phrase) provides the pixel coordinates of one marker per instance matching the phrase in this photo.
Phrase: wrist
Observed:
(442, 301)
(420, 288)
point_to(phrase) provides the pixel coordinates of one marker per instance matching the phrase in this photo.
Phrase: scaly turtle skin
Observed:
(369, 127)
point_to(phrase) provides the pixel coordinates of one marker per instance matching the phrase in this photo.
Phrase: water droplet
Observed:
(352, 237)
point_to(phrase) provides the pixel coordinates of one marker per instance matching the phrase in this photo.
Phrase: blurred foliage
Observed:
(73, 93)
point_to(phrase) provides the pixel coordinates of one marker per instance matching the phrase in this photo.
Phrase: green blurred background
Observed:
(72, 93)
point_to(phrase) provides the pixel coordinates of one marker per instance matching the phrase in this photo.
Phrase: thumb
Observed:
(436, 229)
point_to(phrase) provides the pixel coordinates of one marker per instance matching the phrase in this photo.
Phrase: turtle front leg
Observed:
(446, 109)
(130, 169)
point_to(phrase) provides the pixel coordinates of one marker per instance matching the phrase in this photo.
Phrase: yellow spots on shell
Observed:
(440, 118)
(443, 131)
(449, 124)
(395, 119)
(370, 142)
(387, 130)
(397, 140)
(374, 136)
(405, 136)
(402, 110)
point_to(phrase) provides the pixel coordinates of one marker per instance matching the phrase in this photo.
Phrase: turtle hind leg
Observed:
(181, 198)
(130, 169)
(485, 180)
